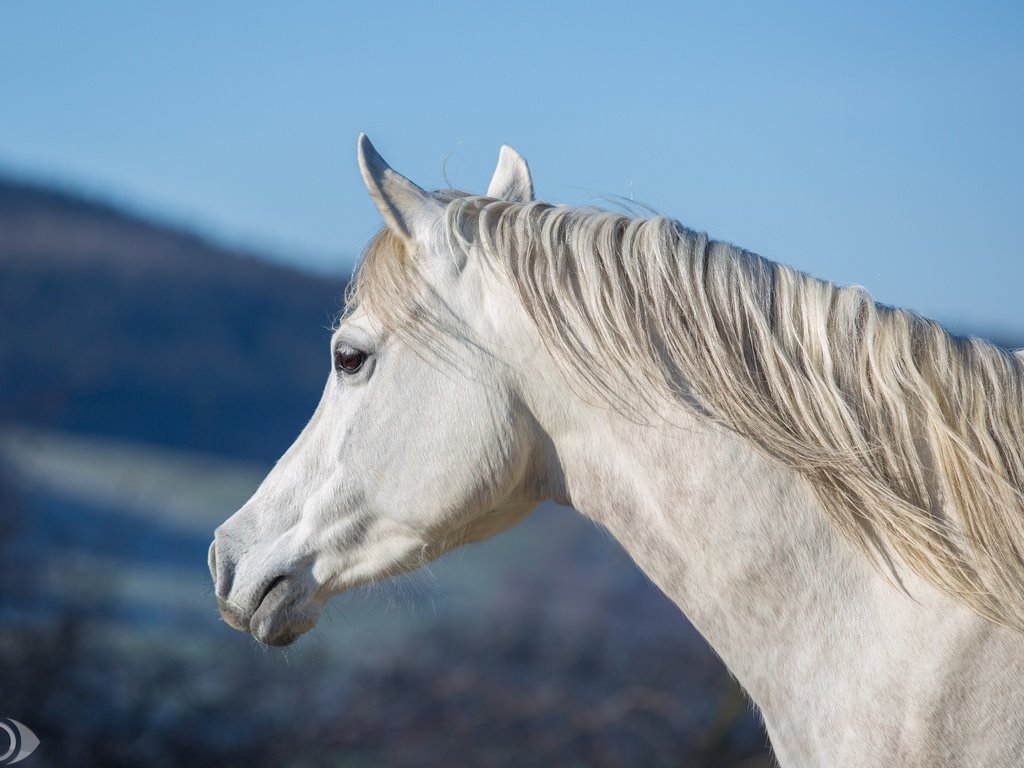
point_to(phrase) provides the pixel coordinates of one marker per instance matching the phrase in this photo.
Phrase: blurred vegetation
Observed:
(532, 681)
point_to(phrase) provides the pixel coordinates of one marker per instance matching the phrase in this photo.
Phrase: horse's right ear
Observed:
(407, 209)
(511, 179)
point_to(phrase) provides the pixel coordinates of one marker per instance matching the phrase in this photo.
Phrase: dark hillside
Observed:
(115, 325)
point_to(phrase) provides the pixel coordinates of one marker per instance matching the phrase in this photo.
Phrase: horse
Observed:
(831, 490)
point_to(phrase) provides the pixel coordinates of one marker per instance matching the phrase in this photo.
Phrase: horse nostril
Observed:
(211, 560)
(222, 566)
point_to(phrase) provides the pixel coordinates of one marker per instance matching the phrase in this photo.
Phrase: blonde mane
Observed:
(912, 439)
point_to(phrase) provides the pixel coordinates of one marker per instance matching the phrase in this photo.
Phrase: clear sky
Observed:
(874, 142)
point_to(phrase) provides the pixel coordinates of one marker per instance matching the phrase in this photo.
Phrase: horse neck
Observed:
(739, 543)
(743, 547)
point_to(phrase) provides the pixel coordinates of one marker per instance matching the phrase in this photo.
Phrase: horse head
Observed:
(416, 447)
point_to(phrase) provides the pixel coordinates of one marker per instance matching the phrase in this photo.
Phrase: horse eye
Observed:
(348, 360)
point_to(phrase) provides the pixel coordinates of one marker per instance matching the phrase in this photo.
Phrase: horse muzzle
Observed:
(274, 605)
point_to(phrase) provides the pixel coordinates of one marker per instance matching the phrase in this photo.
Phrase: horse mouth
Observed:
(284, 613)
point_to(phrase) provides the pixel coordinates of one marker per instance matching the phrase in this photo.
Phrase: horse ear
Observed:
(511, 179)
(407, 209)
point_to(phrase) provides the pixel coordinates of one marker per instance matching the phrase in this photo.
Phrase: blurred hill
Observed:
(116, 325)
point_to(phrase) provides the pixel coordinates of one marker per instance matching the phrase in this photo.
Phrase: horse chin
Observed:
(285, 614)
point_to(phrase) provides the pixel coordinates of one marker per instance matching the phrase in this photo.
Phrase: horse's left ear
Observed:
(511, 179)
(407, 209)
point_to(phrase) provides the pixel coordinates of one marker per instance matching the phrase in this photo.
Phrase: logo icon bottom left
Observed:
(22, 741)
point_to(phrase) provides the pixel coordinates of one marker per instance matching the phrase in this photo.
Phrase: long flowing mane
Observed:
(912, 438)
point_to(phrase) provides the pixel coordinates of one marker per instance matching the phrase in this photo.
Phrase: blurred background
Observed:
(180, 210)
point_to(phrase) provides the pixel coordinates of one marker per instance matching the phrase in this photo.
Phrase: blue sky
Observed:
(875, 143)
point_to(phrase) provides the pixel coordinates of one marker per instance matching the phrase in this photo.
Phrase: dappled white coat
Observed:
(421, 448)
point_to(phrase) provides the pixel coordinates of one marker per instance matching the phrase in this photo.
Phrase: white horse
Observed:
(831, 490)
